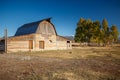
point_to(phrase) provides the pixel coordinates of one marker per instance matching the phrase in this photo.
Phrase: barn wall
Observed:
(63, 45)
(46, 28)
(19, 43)
(49, 42)
(15, 46)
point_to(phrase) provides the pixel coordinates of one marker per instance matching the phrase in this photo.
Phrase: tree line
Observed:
(94, 32)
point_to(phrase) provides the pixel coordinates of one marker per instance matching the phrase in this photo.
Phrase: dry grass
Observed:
(76, 53)
(87, 63)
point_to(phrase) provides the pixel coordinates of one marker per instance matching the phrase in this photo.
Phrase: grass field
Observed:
(87, 63)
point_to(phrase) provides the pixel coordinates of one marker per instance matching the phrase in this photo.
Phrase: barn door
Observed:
(41, 44)
(30, 44)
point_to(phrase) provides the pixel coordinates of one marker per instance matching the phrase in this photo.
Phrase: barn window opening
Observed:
(68, 43)
(50, 41)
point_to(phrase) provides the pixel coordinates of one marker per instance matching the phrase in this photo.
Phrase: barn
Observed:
(37, 36)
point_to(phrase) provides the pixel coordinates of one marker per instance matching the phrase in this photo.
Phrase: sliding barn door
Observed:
(41, 44)
(30, 44)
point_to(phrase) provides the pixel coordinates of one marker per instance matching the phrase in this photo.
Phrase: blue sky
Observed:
(65, 13)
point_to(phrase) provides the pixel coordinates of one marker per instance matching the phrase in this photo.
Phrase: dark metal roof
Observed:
(29, 28)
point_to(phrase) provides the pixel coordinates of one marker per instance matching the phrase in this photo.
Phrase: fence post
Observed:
(5, 33)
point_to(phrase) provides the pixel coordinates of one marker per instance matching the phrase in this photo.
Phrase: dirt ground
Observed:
(75, 64)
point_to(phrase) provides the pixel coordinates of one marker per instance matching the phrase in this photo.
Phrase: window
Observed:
(50, 41)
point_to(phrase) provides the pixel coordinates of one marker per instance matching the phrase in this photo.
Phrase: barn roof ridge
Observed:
(29, 28)
(36, 22)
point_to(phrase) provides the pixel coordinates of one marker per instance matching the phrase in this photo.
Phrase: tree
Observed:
(77, 35)
(105, 31)
(88, 29)
(114, 32)
(101, 36)
(80, 31)
(105, 25)
(94, 32)
(81, 21)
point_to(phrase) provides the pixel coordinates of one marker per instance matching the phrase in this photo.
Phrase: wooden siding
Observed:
(14, 46)
(46, 28)
(22, 38)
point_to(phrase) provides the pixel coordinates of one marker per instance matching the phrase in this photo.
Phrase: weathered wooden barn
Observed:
(37, 36)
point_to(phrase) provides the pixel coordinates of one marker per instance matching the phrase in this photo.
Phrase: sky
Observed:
(65, 13)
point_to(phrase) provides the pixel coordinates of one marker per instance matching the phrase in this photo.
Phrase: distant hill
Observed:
(70, 37)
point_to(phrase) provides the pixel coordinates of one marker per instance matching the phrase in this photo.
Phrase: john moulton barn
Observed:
(37, 36)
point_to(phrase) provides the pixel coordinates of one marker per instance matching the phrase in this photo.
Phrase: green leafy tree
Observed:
(114, 33)
(101, 36)
(105, 31)
(94, 32)
(88, 27)
(105, 25)
(80, 31)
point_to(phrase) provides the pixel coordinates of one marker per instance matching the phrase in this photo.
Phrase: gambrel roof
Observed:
(30, 28)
